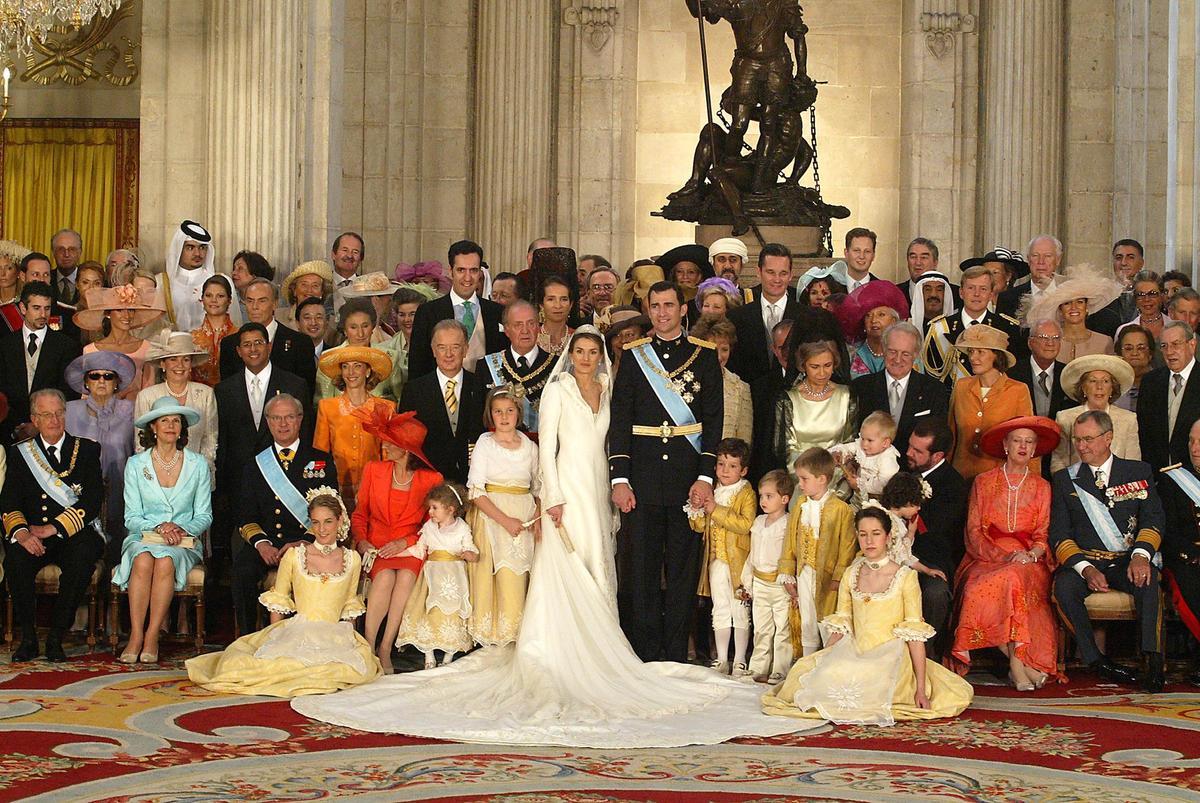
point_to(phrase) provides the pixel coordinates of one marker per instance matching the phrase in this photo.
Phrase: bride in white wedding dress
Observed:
(571, 679)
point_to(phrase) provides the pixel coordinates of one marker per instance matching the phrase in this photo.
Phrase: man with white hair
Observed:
(1044, 255)
(189, 266)
(727, 256)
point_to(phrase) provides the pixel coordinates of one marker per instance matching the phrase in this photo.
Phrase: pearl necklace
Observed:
(1010, 505)
(876, 565)
(179, 397)
(816, 394)
(166, 465)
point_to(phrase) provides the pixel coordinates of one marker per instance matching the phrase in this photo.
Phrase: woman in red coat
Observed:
(385, 524)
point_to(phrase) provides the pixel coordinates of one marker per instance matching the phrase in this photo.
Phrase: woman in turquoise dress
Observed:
(168, 508)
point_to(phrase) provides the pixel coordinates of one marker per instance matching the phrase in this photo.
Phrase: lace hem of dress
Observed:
(353, 609)
(276, 603)
(863, 596)
(913, 630)
(838, 623)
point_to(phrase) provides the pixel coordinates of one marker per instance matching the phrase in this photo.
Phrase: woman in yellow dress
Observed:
(874, 670)
(317, 650)
(356, 371)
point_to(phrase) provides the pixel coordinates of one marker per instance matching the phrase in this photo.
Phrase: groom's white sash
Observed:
(670, 399)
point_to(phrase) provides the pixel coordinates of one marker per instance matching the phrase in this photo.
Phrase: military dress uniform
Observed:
(1130, 497)
(265, 518)
(938, 357)
(527, 381)
(655, 457)
(76, 547)
(1181, 547)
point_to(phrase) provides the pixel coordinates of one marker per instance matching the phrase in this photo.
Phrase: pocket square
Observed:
(923, 412)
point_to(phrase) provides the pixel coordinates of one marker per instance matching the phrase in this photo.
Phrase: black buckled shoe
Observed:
(27, 650)
(1155, 678)
(1113, 673)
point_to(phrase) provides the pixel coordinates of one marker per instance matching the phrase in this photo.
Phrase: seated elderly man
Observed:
(50, 503)
(1106, 524)
(274, 511)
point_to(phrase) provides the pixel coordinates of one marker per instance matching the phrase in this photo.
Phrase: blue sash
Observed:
(1186, 481)
(671, 401)
(529, 411)
(288, 494)
(1101, 518)
(495, 366)
(53, 485)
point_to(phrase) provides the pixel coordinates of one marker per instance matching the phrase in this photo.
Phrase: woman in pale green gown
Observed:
(815, 410)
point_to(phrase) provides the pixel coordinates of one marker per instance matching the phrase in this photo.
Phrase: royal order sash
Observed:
(529, 411)
(671, 401)
(1187, 482)
(1101, 518)
(288, 494)
(53, 485)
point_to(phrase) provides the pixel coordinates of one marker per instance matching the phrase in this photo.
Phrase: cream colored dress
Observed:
(802, 424)
(867, 677)
(509, 478)
(435, 617)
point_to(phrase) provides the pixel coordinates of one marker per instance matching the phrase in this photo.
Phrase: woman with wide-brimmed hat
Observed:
(985, 398)
(1084, 291)
(102, 416)
(388, 518)
(817, 284)
(175, 355)
(881, 304)
(355, 371)
(1003, 585)
(124, 309)
(358, 325)
(168, 510)
(1097, 381)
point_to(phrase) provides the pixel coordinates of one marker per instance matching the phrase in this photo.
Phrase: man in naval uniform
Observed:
(50, 507)
(522, 365)
(667, 413)
(938, 357)
(1181, 540)
(274, 511)
(1106, 525)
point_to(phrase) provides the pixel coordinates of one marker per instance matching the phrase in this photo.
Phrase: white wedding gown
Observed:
(571, 679)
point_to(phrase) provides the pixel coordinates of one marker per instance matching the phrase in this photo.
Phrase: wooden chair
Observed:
(192, 593)
(1102, 607)
(46, 583)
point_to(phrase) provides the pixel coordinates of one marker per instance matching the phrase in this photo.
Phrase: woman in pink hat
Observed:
(118, 311)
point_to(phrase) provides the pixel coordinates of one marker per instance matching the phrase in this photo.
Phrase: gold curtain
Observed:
(55, 178)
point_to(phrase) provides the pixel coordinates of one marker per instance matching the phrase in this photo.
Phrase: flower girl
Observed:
(437, 611)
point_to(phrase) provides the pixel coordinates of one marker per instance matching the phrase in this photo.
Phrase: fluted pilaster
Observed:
(1020, 188)
(514, 121)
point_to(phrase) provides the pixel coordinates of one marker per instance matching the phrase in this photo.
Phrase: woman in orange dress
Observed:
(216, 296)
(1003, 584)
(387, 520)
(354, 370)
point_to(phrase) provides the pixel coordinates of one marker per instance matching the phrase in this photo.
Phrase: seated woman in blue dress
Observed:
(168, 507)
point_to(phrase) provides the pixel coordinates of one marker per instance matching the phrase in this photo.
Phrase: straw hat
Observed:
(1078, 368)
(370, 284)
(403, 430)
(1048, 435)
(982, 336)
(175, 344)
(167, 406)
(1097, 286)
(316, 267)
(331, 361)
(114, 361)
(147, 306)
(638, 284)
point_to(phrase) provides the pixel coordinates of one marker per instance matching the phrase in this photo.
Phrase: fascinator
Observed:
(836, 271)
(428, 273)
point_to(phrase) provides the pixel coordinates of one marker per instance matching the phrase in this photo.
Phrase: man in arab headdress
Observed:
(189, 265)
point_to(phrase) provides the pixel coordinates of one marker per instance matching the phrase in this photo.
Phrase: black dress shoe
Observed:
(54, 650)
(1106, 669)
(1194, 678)
(1154, 679)
(27, 650)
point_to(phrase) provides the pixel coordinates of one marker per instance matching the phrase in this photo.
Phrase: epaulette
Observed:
(1009, 318)
(1171, 467)
(708, 344)
(941, 317)
(643, 341)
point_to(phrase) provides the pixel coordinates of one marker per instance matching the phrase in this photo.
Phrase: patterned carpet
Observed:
(92, 730)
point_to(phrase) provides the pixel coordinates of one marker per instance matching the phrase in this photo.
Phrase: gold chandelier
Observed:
(22, 22)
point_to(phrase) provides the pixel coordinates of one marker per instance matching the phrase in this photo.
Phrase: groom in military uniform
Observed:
(667, 412)
(1181, 540)
(1106, 525)
(522, 365)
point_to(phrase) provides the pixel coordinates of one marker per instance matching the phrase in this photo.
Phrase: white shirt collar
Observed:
(26, 332)
(57, 444)
(967, 319)
(779, 304)
(294, 446)
(1037, 369)
(1036, 291)
(456, 300)
(264, 376)
(68, 276)
(443, 379)
(1185, 373)
(902, 380)
(932, 468)
(272, 328)
(1106, 467)
(531, 357)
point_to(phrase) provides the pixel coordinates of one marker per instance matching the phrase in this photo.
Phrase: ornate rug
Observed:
(94, 730)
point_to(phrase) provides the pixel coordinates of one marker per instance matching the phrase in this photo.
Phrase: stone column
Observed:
(1020, 188)
(514, 153)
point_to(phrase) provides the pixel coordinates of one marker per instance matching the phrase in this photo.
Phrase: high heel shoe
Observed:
(148, 658)
(1019, 686)
(127, 658)
(1040, 680)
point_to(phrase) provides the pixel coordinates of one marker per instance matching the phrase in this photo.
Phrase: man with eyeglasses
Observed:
(49, 507)
(33, 357)
(601, 284)
(1042, 373)
(1106, 525)
(273, 516)
(898, 390)
(1169, 398)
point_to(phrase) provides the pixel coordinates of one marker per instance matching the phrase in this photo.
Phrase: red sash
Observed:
(1025, 539)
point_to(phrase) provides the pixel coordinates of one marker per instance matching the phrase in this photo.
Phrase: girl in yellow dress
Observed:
(317, 650)
(874, 670)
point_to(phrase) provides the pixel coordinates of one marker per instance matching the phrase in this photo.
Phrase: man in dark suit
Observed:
(1106, 525)
(1180, 495)
(481, 317)
(1041, 372)
(922, 257)
(753, 357)
(49, 503)
(1169, 399)
(1044, 254)
(273, 514)
(522, 365)
(1128, 258)
(764, 393)
(242, 430)
(67, 247)
(36, 267)
(290, 350)
(938, 356)
(898, 390)
(448, 401)
(659, 459)
(34, 357)
(859, 255)
(944, 514)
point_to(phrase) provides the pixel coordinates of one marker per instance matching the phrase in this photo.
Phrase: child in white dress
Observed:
(870, 457)
(902, 497)
(436, 615)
